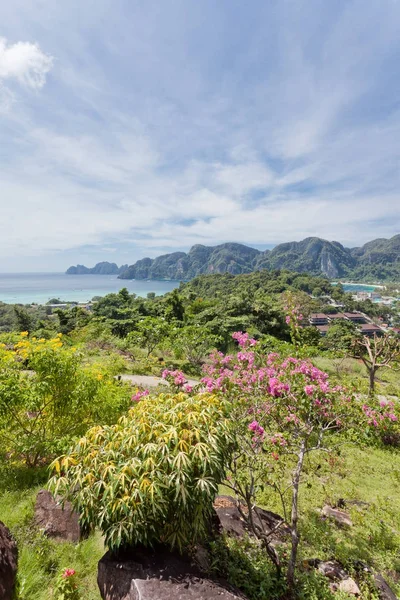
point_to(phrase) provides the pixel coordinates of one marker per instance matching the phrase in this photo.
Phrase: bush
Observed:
(42, 409)
(152, 477)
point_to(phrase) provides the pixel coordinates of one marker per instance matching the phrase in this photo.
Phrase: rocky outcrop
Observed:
(57, 521)
(339, 516)
(231, 522)
(384, 590)
(334, 571)
(142, 574)
(8, 563)
(102, 268)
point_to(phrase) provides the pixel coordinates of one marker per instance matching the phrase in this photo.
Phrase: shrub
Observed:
(153, 476)
(42, 409)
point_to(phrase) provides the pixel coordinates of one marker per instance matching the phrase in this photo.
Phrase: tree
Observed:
(377, 353)
(282, 410)
(340, 336)
(194, 342)
(24, 320)
(150, 332)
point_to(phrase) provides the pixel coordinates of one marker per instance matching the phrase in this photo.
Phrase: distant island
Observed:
(377, 261)
(102, 268)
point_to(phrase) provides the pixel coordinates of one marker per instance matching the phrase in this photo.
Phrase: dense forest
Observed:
(156, 416)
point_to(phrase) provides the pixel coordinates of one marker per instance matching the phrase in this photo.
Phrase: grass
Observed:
(41, 559)
(367, 479)
(370, 475)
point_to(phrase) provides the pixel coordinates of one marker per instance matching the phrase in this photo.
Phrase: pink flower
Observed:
(187, 388)
(256, 428)
(287, 319)
(68, 573)
(309, 389)
(139, 395)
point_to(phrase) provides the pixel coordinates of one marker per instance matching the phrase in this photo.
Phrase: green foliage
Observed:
(23, 319)
(245, 565)
(149, 333)
(340, 336)
(152, 477)
(43, 408)
(194, 343)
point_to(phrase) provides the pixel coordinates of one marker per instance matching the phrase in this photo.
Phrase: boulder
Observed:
(57, 521)
(332, 569)
(349, 586)
(232, 523)
(143, 574)
(339, 516)
(8, 563)
(383, 588)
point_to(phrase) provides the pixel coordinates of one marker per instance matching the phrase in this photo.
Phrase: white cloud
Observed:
(25, 62)
(150, 137)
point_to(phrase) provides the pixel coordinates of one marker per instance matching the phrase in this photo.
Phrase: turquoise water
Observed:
(27, 288)
(358, 287)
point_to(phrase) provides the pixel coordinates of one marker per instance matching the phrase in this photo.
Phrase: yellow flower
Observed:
(99, 376)
(24, 333)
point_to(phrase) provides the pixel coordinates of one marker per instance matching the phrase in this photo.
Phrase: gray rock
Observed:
(349, 586)
(383, 588)
(57, 521)
(232, 523)
(8, 563)
(331, 569)
(339, 516)
(158, 575)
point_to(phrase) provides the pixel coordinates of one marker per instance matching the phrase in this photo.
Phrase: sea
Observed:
(359, 287)
(39, 288)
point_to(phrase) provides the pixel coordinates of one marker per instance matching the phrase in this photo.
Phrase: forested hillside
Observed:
(378, 260)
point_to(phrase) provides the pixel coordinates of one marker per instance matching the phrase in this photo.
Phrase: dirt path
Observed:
(149, 380)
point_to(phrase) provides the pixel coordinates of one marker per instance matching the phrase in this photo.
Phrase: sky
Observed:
(132, 128)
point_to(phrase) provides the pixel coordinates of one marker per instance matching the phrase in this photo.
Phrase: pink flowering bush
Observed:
(177, 381)
(283, 408)
(293, 316)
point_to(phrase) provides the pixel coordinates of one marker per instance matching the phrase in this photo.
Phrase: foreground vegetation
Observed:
(281, 420)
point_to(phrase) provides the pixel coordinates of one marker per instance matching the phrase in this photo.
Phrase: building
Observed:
(318, 319)
(355, 317)
(322, 329)
(336, 317)
(370, 329)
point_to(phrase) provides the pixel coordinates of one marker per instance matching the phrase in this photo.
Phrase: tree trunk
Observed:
(372, 372)
(295, 515)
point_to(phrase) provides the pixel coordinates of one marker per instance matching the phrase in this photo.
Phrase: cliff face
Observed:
(312, 255)
(379, 259)
(226, 258)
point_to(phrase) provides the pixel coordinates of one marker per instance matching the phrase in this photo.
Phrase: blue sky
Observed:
(133, 128)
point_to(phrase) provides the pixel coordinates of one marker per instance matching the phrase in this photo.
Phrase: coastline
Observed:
(356, 283)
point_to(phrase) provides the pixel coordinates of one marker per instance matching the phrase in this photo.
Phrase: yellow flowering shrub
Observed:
(47, 397)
